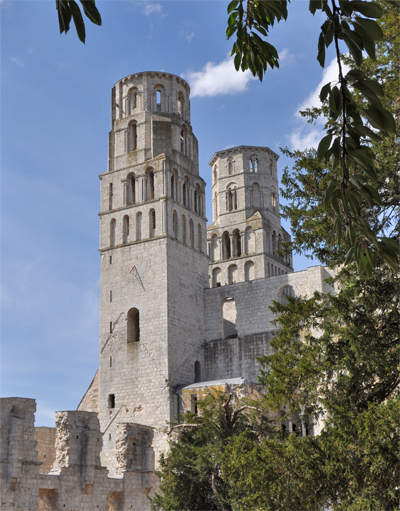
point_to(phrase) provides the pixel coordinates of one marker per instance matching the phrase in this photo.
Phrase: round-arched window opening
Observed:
(287, 292)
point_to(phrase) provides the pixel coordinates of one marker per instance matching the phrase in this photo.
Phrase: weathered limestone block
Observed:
(134, 448)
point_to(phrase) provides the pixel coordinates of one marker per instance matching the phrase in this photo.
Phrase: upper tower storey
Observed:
(150, 114)
(244, 180)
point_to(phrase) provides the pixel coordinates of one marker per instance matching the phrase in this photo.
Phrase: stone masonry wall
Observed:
(77, 481)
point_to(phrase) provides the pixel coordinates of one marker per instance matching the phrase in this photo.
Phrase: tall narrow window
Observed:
(274, 243)
(131, 190)
(132, 136)
(249, 270)
(191, 233)
(138, 226)
(228, 318)
(216, 277)
(237, 247)
(125, 229)
(175, 224)
(173, 186)
(273, 201)
(133, 326)
(199, 238)
(131, 101)
(152, 223)
(251, 165)
(110, 296)
(150, 184)
(214, 248)
(180, 103)
(183, 229)
(230, 166)
(184, 193)
(226, 245)
(158, 99)
(110, 196)
(256, 196)
(232, 274)
(255, 164)
(111, 400)
(197, 371)
(271, 167)
(113, 226)
(193, 401)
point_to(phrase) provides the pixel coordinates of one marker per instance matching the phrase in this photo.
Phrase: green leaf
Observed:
(232, 6)
(355, 74)
(329, 192)
(368, 43)
(369, 9)
(355, 51)
(91, 11)
(324, 92)
(321, 50)
(349, 256)
(323, 146)
(78, 20)
(371, 27)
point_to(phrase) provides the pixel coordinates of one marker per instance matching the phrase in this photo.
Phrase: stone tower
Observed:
(246, 233)
(153, 257)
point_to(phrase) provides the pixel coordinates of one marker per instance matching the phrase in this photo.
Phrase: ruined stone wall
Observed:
(45, 447)
(77, 481)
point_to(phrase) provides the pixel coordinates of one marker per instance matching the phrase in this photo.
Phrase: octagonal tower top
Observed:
(151, 91)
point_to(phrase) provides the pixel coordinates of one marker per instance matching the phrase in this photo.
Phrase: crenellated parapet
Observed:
(77, 481)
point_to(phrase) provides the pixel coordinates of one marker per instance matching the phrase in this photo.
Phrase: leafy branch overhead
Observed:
(353, 127)
(69, 9)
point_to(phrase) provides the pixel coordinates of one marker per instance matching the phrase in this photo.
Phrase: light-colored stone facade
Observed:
(183, 308)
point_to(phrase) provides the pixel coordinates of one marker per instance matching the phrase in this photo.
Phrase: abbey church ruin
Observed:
(183, 307)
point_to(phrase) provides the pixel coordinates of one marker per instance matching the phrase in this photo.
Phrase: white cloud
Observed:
(330, 74)
(216, 79)
(17, 60)
(306, 136)
(285, 57)
(190, 36)
(149, 8)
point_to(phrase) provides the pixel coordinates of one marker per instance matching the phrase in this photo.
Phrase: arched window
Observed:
(175, 224)
(273, 201)
(110, 196)
(213, 248)
(279, 245)
(197, 199)
(249, 240)
(133, 326)
(231, 166)
(197, 371)
(152, 223)
(199, 238)
(184, 140)
(191, 233)
(255, 164)
(273, 242)
(216, 277)
(132, 136)
(150, 184)
(138, 226)
(256, 196)
(125, 229)
(113, 227)
(215, 204)
(237, 247)
(287, 292)
(158, 99)
(181, 101)
(228, 318)
(131, 100)
(185, 192)
(131, 189)
(231, 198)
(249, 271)
(226, 245)
(184, 229)
(232, 274)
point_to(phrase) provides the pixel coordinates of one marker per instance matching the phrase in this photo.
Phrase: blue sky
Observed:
(55, 118)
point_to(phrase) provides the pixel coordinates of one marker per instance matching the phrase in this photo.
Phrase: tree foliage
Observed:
(347, 147)
(69, 9)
